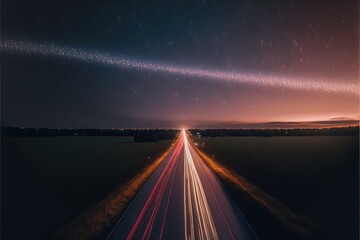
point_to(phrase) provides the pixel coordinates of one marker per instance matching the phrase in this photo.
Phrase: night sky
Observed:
(311, 41)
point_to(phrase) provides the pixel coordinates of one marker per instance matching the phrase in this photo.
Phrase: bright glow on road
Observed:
(196, 205)
(198, 220)
(183, 199)
(124, 62)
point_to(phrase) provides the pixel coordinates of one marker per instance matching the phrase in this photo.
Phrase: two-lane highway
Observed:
(183, 199)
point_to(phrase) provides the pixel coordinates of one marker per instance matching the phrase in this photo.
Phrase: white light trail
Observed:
(196, 205)
(127, 63)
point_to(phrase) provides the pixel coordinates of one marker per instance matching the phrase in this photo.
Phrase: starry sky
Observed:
(311, 41)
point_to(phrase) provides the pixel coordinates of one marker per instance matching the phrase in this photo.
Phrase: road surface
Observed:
(183, 199)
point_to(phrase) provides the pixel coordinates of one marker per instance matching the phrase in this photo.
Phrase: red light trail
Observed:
(181, 200)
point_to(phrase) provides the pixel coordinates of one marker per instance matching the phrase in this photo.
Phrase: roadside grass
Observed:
(49, 181)
(316, 177)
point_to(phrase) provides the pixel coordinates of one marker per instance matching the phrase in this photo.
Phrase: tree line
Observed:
(343, 131)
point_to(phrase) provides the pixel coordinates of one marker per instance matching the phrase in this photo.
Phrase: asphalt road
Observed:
(183, 199)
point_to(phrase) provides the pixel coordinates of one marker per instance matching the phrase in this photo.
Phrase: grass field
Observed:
(316, 177)
(48, 181)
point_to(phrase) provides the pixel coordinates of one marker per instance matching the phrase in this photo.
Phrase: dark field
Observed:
(316, 177)
(48, 181)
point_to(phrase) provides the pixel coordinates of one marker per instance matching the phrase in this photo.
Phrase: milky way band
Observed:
(123, 62)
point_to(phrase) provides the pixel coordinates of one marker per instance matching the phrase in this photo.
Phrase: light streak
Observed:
(128, 63)
(154, 201)
(213, 194)
(197, 204)
(199, 222)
